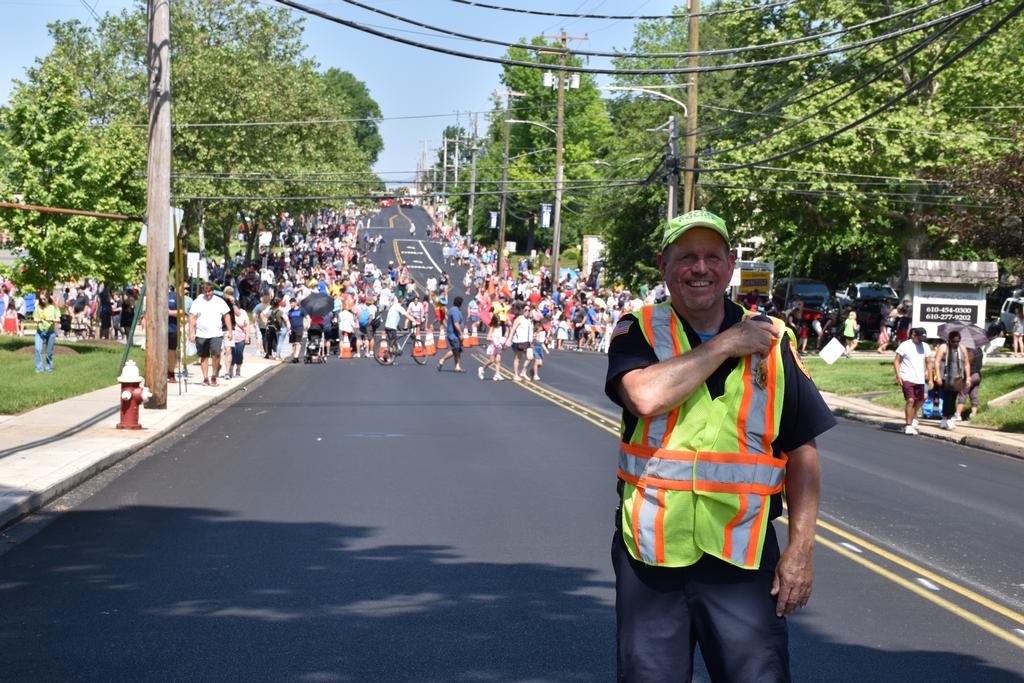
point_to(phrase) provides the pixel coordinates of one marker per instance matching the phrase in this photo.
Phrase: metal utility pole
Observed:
(456, 160)
(472, 179)
(444, 180)
(158, 199)
(673, 168)
(690, 187)
(509, 94)
(556, 233)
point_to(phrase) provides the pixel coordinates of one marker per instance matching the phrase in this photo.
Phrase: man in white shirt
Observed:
(396, 314)
(913, 366)
(208, 319)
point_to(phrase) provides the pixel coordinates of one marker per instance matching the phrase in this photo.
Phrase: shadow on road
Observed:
(257, 600)
(94, 599)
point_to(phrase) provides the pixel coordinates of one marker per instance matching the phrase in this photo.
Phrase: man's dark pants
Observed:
(663, 612)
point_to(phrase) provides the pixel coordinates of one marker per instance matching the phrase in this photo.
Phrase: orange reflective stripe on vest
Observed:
(699, 477)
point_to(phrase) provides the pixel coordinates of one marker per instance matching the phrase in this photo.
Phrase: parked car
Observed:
(813, 293)
(1009, 311)
(866, 298)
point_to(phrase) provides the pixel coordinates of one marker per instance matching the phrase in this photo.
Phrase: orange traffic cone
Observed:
(418, 351)
(465, 337)
(441, 342)
(383, 347)
(346, 347)
(431, 349)
(473, 339)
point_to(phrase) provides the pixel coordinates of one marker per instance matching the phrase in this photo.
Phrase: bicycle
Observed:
(394, 349)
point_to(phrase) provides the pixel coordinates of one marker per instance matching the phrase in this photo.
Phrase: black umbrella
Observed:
(971, 336)
(320, 305)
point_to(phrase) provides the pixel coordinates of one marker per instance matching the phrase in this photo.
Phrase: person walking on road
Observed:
(298, 322)
(952, 370)
(913, 364)
(520, 336)
(208, 319)
(719, 416)
(46, 315)
(495, 342)
(453, 334)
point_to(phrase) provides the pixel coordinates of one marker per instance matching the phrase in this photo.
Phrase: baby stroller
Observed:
(314, 346)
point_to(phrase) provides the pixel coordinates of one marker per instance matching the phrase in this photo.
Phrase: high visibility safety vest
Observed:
(698, 478)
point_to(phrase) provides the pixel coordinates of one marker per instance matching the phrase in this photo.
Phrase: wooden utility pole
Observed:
(556, 233)
(158, 200)
(690, 186)
(472, 178)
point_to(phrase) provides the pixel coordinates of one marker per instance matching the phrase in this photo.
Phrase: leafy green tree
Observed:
(859, 205)
(232, 62)
(354, 100)
(53, 158)
(587, 141)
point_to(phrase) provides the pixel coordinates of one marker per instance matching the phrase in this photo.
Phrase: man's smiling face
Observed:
(697, 268)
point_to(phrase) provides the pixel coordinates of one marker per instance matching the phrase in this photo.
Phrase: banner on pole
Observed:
(494, 220)
(545, 215)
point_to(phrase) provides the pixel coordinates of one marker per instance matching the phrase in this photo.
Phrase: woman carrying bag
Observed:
(952, 368)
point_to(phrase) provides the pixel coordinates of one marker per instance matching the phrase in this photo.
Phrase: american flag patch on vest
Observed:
(622, 327)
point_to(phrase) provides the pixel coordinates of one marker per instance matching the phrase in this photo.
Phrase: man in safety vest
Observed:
(719, 417)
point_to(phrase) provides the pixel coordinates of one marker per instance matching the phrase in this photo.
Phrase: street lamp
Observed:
(673, 143)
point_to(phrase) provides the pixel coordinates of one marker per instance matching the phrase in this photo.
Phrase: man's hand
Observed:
(794, 575)
(749, 337)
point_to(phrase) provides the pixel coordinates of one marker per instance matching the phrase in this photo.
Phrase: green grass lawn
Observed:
(92, 366)
(851, 377)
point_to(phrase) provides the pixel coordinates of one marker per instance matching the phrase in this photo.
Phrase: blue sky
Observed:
(404, 80)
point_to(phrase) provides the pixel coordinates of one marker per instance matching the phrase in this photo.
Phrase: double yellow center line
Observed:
(924, 583)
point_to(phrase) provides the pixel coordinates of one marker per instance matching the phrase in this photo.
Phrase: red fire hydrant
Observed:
(132, 396)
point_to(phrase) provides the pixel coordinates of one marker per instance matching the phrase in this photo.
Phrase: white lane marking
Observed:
(850, 546)
(927, 584)
(1019, 631)
(962, 465)
(427, 254)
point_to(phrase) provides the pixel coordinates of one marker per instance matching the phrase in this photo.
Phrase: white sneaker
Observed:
(909, 429)
(956, 418)
(536, 378)
(914, 423)
(480, 373)
(498, 378)
(946, 424)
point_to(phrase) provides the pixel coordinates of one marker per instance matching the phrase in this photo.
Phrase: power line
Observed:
(819, 193)
(791, 98)
(573, 189)
(327, 122)
(300, 174)
(634, 72)
(889, 104)
(639, 17)
(644, 55)
(933, 37)
(885, 129)
(813, 171)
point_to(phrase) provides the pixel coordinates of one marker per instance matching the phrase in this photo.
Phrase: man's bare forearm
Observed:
(803, 493)
(658, 388)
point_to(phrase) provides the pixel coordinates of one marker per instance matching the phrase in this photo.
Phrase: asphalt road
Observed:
(350, 522)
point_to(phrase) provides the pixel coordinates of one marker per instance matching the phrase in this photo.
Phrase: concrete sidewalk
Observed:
(965, 433)
(48, 451)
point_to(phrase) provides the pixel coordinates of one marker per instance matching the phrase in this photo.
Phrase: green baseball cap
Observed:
(693, 219)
